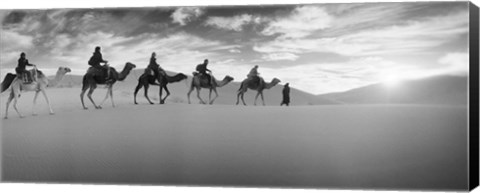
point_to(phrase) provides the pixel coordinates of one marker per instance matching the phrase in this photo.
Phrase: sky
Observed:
(317, 48)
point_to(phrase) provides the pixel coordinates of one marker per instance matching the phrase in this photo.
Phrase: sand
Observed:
(345, 146)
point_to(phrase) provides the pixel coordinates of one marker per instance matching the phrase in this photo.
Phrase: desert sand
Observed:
(318, 146)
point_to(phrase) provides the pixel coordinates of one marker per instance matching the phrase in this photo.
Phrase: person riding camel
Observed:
(254, 73)
(21, 70)
(95, 61)
(202, 70)
(154, 67)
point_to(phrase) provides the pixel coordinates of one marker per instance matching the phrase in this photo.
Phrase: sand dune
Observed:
(348, 146)
(451, 90)
(375, 146)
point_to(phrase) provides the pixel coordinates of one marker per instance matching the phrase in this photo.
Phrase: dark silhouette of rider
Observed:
(286, 95)
(21, 68)
(253, 74)
(154, 67)
(202, 70)
(96, 59)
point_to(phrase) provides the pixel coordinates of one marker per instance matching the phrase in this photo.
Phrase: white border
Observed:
(53, 188)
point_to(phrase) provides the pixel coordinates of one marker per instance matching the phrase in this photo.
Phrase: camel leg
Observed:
(15, 100)
(243, 100)
(110, 91)
(261, 96)
(81, 99)
(135, 93)
(198, 96)
(188, 94)
(160, 93)
(10, 98)
(35, 103)
(238, 97)
(89, 95)
(216, 95)
(145, 88)
(256, 97)
(168, 94)
(85, 86)
(210, 95)
(48, 102)
(106, 97)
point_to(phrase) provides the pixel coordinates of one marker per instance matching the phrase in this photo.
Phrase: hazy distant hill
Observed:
(227, 94)
(450, 90)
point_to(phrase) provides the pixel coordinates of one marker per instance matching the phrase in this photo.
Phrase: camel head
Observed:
(182, 76)
(228, 78)
(225, 81)
(177, 78)
(64, 70)
(130, 66)
(275, 81)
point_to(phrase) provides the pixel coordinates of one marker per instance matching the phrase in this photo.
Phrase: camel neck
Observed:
(270, 84)
(124, 73)
(58, 77)
(223, 82)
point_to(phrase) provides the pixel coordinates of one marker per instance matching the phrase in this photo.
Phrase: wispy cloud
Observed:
(234, 23)
(317, 48)
(303, 21)
(184, 15)
(280, 56)
(414, 37)
(456, 63)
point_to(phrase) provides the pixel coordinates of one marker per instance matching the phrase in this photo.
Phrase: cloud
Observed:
(12, 44)
(354, 46)
(234, 23)
(184, 15)
(456, 63)
(414, 37)
(14, 41)
(234, 50)
(279, 56)
(303, 21)
(177, 52)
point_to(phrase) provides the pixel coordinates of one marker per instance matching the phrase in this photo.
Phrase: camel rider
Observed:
(202, 70)
(21, 70)
(154, 67)
(253, 73)
(96, 59)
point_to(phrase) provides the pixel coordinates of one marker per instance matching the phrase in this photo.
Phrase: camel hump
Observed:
(94, 70)
(7, 81)
(35, 72)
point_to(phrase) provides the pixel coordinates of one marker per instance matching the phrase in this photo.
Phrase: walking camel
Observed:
(202, 82)
(96, 76)
(255, 84)
(40, 84)
(146, 79)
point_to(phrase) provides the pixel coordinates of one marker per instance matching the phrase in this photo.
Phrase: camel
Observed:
(95, 76)
(40, 84)
(146, 79)
(258, 85)
(201, 82)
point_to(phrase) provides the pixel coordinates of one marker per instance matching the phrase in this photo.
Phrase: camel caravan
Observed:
(35, 80)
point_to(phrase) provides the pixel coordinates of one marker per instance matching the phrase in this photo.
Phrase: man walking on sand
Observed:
(286, 95)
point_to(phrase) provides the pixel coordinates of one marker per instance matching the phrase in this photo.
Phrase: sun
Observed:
(392, 81)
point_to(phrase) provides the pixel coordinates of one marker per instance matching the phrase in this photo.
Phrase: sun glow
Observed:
(392, 81)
